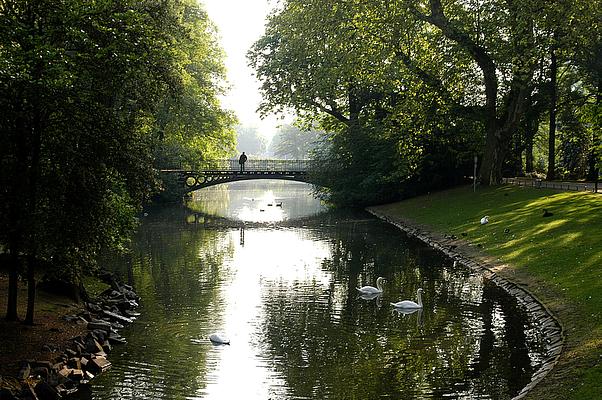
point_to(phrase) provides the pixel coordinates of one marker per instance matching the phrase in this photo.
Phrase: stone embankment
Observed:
(86, 358)
(549, 327)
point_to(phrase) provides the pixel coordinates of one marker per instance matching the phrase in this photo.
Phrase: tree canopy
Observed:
(94, 96)
(413, 90)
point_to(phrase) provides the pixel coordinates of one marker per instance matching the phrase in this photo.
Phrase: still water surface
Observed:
(283, 289)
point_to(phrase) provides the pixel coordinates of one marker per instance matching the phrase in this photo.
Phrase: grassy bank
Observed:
(557, 257)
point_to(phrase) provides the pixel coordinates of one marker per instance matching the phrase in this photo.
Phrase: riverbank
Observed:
(46, 339)
(68, 344)
(556, 257)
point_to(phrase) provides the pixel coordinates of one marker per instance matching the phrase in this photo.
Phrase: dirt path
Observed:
(21, 342)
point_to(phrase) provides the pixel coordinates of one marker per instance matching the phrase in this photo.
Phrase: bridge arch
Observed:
(216, 172)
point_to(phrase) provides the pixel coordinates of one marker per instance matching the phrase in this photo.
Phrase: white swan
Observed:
(216, 338)
(485, 220)
(404, 311)
(369, 296)
(372, 289)
(410, 303)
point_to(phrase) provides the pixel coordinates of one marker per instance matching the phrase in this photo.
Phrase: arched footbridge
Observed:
(215, 172)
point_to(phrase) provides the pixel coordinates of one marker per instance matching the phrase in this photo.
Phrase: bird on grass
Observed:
(485, 220)
(546, 213)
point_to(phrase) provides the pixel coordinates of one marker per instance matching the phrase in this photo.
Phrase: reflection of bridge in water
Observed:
(215, 172)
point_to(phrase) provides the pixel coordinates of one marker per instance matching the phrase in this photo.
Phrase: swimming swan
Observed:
(410, 303)
(372, 289)
(216, 338)
(369, 296)
(404, 311)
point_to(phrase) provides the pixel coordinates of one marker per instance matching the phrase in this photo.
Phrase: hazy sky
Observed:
(240, 24)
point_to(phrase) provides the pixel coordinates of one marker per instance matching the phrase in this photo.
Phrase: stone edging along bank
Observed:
(547, 324)
(86, 357)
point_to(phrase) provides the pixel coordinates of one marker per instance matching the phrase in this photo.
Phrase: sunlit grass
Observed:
(563, 250)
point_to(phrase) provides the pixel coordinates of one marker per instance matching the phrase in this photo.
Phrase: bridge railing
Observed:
(255, 165)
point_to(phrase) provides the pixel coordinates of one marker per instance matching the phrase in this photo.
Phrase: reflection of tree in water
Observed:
(329, 344)
(213, 200)
(223, 200)
(176, 269)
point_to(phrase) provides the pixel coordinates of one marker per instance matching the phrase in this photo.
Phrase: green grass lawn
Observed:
(563, 250)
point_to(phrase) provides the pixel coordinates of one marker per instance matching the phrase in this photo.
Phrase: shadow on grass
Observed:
(565, 248)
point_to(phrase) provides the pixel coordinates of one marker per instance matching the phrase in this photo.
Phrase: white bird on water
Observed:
(369, 296)
(372, 289)
(410, 303)
(216, 338)
(485, 220)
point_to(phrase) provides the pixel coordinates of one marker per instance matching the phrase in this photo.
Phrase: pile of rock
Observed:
(87, 355)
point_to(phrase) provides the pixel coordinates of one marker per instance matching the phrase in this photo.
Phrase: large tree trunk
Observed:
(531, 130)
(34, 180)
(531, 127)
(17, 209)
(493, 158)
(31, 290)
(592, 171)
(498, 143)
(515, 164)
(13, 286)
(551, 175)
(498, 132)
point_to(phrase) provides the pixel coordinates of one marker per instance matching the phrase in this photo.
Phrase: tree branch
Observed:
(472, 112)
(333, 111)
(478, 53)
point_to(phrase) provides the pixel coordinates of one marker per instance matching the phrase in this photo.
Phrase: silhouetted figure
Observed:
(242, 160)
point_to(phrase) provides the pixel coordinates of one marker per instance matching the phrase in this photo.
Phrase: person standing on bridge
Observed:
(242, 160)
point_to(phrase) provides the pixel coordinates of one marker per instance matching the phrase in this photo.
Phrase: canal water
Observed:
(270, 267)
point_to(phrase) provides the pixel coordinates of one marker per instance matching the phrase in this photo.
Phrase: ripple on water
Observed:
(287, 301)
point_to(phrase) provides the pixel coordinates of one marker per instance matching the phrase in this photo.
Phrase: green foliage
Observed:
(358, 168)
(438, 81)
(89, 92)
(336, 65)
(190, 124)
